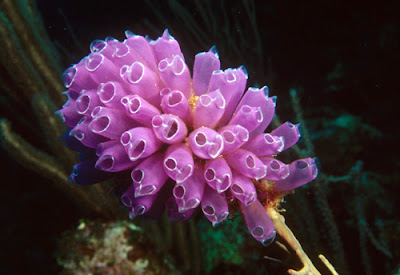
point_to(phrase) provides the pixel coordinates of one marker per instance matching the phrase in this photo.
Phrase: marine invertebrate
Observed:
(133, 105)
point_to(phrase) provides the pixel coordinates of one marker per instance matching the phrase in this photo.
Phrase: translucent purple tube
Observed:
(140, 46)
(68, 112)
(265, 145)
(166, 46)
(112, 157)
(140, 142)
(174, 102)
(87, 137)
(123, 54)
(104, 47)
(234, 137)
(189, 193)
(143, 81)
(87, 101)
(247, 117)
(206, 143)
(173, 211)
(109, 122)
(139, 109)
(72, 143)
(137, 206)
(175, 74)
(210, 108)
(169, 128)
(218, 174)
(289, 132)
(258, 222)
(149, 176)
(214, 206)
(84, 173)
(77, 77)
(205, 64)
(247, 163)
(259, 98)
(231, 83)
(110, 93)
(158, 207)
(141, 205)
(302, 171)
(178, 162)
(276, 169)
(101, 69)
(243, 188)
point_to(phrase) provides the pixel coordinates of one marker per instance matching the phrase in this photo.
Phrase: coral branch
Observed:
(36, 55)
(328, 264)
(284, 231)
(16, 61)
(27, 155)
(40, 162)
(52, 128)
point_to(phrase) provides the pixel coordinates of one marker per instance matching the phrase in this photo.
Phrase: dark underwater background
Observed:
(342, 59)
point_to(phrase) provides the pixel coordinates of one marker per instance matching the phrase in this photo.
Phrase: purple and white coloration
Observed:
(133, 105)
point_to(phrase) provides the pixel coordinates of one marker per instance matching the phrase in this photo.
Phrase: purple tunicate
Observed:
(112, 157)
(264, 145)
(175, 74)
(174, 102)
(258, 222)
(247, 117)
(289, 132)
(158, 207)
(169, 129)
(231, 83)
(142, 48)
(247, 163)
(133, 106)
(166, 46)
(140, 142)
(139, 109)
(276, 170)
(178, 162)
(209, 109)
(87, 101)
(101, 69)
(109, 122)
(234, 137)
(68, 112)
(302, 171)
(145, 82)
(141, 205)
(123, 54)
(104, 47)
(149, 176)
(205, 64)
(189, 192)
(214, 206)
(243, 188)
(72, 143)
(173, 211)
(84, 173)
(110, 94)
(206, 143)
(259, 98)
(218, 174)
(85, 135)
(77, 77)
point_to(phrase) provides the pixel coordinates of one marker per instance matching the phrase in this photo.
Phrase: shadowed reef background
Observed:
(333, 66)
